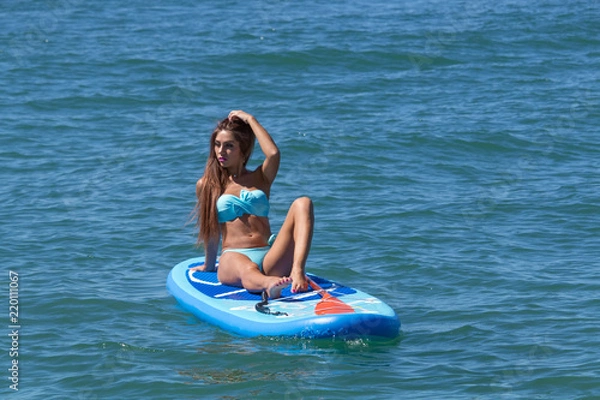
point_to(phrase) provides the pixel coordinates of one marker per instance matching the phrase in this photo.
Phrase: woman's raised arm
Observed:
(272, 157)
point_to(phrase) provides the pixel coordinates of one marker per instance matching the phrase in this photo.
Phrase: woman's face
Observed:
(227, 150)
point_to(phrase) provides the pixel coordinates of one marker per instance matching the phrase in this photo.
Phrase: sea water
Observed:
(451, 149)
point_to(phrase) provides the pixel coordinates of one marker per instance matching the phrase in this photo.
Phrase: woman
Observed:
(233, 204)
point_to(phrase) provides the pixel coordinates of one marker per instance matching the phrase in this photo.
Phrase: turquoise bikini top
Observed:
(254, 202)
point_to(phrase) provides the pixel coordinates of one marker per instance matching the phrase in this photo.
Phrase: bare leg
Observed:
(289, 252)
(237, 270)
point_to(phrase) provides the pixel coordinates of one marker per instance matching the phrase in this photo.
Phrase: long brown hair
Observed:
(216, 178)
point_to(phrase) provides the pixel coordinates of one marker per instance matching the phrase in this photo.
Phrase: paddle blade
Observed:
(329, 304)
(332, 305)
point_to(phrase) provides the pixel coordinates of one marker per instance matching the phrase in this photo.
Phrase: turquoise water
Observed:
(451, 150)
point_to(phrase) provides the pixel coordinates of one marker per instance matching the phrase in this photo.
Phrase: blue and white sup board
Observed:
(241, 312)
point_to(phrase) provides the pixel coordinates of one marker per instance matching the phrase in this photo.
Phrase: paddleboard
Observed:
(302, 315)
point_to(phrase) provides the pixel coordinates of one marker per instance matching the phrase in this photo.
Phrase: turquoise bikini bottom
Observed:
(255, 254)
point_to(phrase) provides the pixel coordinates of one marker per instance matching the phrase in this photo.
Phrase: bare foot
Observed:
(274, 289)
(299, 283)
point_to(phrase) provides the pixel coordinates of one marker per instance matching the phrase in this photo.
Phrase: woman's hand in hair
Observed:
(239, 114)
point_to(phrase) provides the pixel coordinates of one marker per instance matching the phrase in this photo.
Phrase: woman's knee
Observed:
(303, 205)
(303, 202)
